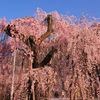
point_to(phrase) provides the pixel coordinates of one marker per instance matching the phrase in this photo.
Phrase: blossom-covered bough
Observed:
(63, 52)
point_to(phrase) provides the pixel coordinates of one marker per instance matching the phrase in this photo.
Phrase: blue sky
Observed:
(13, 9)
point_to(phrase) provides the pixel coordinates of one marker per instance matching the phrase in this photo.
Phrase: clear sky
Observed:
(13, 9)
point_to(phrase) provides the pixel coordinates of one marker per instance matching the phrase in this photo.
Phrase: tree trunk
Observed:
(12, 88)
(37, 92)
(33, 90)
(72, 95)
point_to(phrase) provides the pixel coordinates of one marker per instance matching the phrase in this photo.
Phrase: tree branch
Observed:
(50, 30)
(47, 59)
(26, 39)
(32, 38)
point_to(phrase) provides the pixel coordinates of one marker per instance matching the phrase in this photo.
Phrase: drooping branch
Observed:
(19, 81)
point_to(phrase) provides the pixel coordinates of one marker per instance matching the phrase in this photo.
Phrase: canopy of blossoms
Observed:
(76, 64)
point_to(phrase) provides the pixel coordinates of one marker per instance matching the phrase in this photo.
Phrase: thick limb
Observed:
(50, 30)
(46, 60)
(26, 39)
